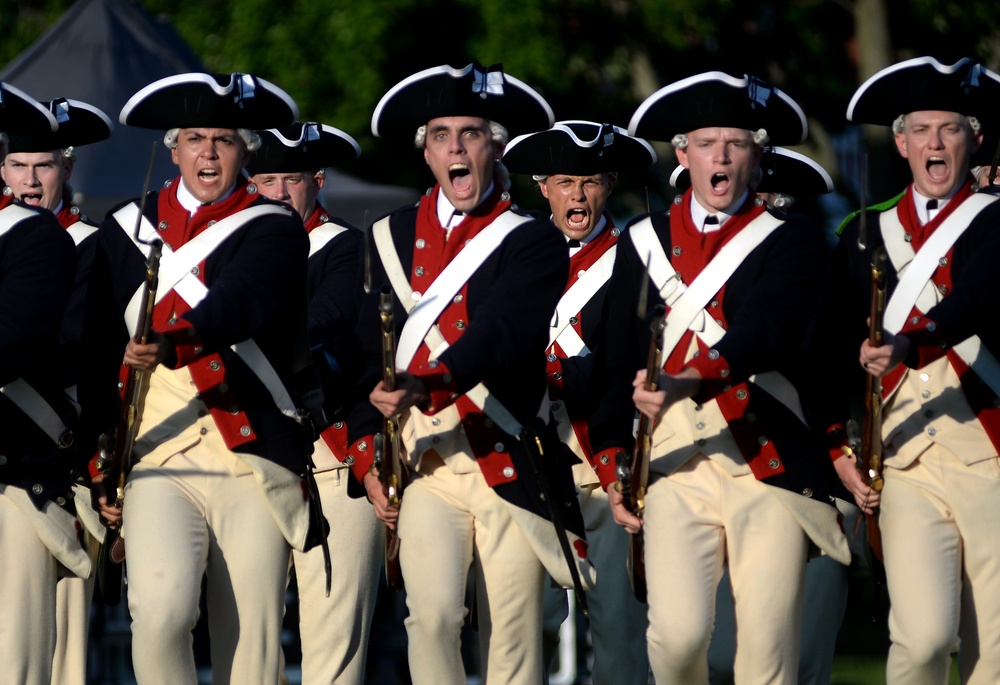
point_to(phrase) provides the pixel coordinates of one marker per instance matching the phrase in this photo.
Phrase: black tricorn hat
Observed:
(577, 148)
(782, 171)
(79, 124)
(923, 83)
(473, 91)
(198, 100)
(20, 113)
(303, 146)
(716, 99)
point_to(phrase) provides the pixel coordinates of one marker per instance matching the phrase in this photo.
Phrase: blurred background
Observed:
(591, 59)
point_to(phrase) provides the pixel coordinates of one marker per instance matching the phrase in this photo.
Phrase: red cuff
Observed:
(837, 442)
(605, 465)
(92, 467)
(441, 387)
(186, 339)
(360, 457)
(715, 374)
(927, 344)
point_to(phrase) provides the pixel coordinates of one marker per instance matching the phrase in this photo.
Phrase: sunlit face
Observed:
(460, 152)
(37, 178)
(721, 161)
(210, 160)
(937, 146)
(300, 189)
(577, 202)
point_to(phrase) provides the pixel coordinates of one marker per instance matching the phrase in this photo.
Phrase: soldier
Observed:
(219, 486)
(785, 175)
(940, 427)
(737, 476)
(38, 531)
(475, 283)
(36, 171)
(288, 167)
(576, 164)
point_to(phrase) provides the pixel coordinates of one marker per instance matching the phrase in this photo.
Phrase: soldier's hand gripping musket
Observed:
(388, 444)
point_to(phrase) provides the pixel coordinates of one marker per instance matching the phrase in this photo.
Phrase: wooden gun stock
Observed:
(871, 434)
(388, 447)
(634, 479)
(115, 455)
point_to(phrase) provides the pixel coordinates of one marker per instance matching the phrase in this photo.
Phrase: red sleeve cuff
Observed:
(187, 342)
(360, 457)
(837, 443)
(927, 344)
(715, 374)
(441, 387)
(606, 466)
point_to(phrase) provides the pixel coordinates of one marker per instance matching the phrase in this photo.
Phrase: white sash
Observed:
(687, 303)
(321, 235)
(80, 231)
(175, 274)
(573, 301)
(27, 399)
(176, 265)
(12, 215)
(915, 270)
(424, 313)
(475, 254)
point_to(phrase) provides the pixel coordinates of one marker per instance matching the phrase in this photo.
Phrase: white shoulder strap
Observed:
(574, 300)
(27, 399)
(915, 288)
(12, 215)
(480, 394)
(81, 231)
(458, 272)
(176, 265)
(916, 271)
(320, 236)
(691, 304)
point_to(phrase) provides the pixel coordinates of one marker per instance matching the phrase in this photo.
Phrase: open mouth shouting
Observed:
(720, 183)
(461, 180)
(937, 169)
(578, 220)
(34, 199)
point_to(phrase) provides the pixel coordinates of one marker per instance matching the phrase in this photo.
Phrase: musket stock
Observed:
(389, 448)
(634, 479)
(114, 458)
(871, 434)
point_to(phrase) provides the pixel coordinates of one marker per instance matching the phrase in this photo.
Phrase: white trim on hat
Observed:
(208, 79)
(906, 64)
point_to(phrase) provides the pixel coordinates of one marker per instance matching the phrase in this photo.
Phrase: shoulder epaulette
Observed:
(880, 207)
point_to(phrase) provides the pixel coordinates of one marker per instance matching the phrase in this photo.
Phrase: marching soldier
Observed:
(36, 171)
(784, 176)
(38, 533)
(576, 164)
(940, 425)
(218, 488)
(737, 476)
(474, 283)
(288, 167)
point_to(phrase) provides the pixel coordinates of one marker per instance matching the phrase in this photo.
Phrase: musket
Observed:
(871, 434)
(114, 458)
(388, 447)
(634, 478)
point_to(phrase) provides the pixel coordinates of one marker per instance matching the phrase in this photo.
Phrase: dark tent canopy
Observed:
(101, 52)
